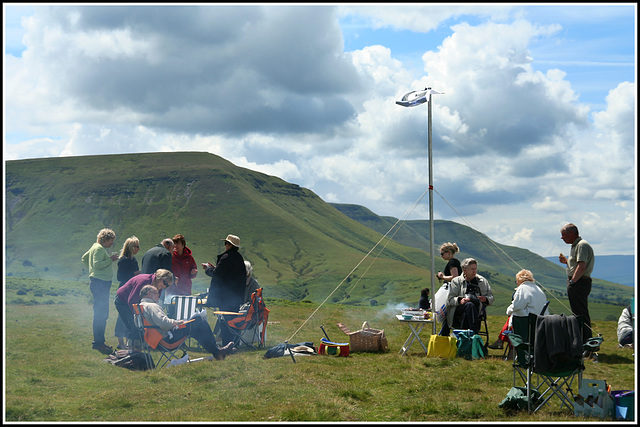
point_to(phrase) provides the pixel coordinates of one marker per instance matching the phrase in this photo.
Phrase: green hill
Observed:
(301, 247)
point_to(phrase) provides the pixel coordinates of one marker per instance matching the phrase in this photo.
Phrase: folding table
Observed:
(415, 325)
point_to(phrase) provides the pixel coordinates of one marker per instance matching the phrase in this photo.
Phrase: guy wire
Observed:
(403, 219)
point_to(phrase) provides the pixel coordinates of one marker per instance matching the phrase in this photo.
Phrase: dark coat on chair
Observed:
(558, 339)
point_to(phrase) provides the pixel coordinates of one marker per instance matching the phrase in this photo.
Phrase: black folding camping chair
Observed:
(551, 348)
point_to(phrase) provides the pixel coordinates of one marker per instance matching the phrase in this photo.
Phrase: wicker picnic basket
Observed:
(366, 339)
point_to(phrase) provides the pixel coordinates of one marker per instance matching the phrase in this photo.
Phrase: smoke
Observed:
(393, 308)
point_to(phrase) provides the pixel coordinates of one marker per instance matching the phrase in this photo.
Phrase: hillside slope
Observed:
(301, 247)
(55, 207)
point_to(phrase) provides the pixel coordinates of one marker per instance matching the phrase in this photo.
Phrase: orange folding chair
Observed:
(249, 324)
(151, 338)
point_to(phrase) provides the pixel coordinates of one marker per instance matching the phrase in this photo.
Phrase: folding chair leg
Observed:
(149, 361)
(554, 388)
(240, 339)
(146, 351)
(509, 352)
(529, 390)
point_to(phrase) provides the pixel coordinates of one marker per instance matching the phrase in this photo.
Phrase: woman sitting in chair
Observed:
(174, 330)
(468, 295)
(528, 298)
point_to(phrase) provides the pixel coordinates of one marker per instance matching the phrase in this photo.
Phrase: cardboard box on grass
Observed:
(594, 400)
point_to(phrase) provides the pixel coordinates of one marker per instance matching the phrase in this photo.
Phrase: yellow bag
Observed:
(445, 347)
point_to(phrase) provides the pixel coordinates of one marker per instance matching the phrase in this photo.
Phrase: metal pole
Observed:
(431, 234)
(413, 99)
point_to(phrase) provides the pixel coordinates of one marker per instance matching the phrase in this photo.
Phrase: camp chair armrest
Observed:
(515, 340)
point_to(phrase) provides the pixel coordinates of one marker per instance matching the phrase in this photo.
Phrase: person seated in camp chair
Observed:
(174, 330)
(527, 298)
(424, 303)
(626, 327)
(251, 284)
(469, 294)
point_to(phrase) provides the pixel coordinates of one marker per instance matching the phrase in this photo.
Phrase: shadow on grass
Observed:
(614, 359)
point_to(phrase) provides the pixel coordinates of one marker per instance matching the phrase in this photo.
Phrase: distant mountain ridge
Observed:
(614, 268)
(489, 254)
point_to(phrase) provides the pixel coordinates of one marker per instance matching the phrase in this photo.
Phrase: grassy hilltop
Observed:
(301, 247)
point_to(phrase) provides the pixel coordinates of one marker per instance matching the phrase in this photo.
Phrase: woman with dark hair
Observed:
(424, 303)
(183, 266)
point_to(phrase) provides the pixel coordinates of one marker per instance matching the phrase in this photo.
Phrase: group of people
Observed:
(167, 270)
(469, 293)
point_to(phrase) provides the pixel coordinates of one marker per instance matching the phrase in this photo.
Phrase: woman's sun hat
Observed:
(234, 240)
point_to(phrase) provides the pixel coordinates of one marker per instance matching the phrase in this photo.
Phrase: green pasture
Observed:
(52, 373)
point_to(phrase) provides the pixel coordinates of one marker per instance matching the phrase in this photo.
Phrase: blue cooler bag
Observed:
(624, 401)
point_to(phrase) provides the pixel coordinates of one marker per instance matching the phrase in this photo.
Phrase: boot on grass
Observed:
(496, 345)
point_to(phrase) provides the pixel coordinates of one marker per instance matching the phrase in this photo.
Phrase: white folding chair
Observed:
(184, 307)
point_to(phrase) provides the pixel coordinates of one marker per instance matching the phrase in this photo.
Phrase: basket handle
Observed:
(365, 325)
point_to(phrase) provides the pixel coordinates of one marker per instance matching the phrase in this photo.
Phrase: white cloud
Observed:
(523, 237)
(271, 89)
(284, 169)
(550, 205)
(421, 18)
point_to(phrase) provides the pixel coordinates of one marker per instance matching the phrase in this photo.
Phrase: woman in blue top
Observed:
(127, 268)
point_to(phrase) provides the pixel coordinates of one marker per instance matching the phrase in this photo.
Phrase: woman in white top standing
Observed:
(528, 298)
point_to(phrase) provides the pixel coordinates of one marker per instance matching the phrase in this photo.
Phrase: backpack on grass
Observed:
(470, 345)
(132, 360)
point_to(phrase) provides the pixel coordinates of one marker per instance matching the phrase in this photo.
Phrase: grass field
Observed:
(52, 374)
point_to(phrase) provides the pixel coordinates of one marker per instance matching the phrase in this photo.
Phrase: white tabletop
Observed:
(416, 319)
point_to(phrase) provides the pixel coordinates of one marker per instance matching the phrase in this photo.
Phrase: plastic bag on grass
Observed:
(517, 399)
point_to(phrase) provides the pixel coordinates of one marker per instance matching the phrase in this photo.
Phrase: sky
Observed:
(533, 126)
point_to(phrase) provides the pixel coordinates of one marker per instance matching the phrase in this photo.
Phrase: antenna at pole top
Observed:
(416, 97)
